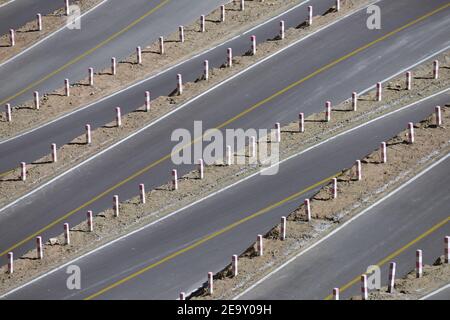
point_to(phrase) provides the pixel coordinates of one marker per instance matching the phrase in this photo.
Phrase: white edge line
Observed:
(48, 36)
(164, 116)
(224, 189)
(435, 292)
(156, 75)
(342, 226)
(6, 3)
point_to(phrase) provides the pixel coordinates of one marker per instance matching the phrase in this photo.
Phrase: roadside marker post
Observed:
(201, 169)
(358, 170)
(179, 84)
(161, 45)
(88, 134)
(206, 70)
(8, 112)
(234, 265)
(12, 37)
(91, 76)
(138, 55)
(116, 205)
(54, 153)
(39, 22)
(354, 101)
(242, 5)
(408, 80)
(147, 101)
(66, 234)
(277, 132)
(142, 193)
(252, 147)
(335, 293)
(222, 13)
(335, 188)
(419, 264)
(391, 285)
(310, 15)
(383, 152)
(438, 116)
(118, 117)
(379, 91)
(228, 156)
(327, 111)
(39, 248)
(307, 204)
(229, 57)
(447, 249)
(10, 262)
(338, 5)
(182, 296)
(253, 41)
(23, 171)
(181, 34)
(37, 103)
(435, 69)
(67, 7)
(364, 291)
(210, 283)
(113, 66)
(66, 87)
(174, 179)
(283, 228)
(301, 122)
(410, 133)
(260, 245)
(202, 23)
(282, 31)
(90, 221)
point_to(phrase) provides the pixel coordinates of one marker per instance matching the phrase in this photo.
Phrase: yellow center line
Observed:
(257, 105)
(211, 236)
(88, 52)
(394, 254)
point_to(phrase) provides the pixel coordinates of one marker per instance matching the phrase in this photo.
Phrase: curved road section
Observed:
(175, 254)
(387, 227)
(145, 158)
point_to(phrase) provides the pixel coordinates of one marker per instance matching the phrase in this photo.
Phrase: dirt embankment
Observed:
(412, 288)
(128, 71)
(29, 34)
(404, 161)
(162, 200)
(76, 151)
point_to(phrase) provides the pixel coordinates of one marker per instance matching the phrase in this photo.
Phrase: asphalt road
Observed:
(441, 295)
(176, 261)
(102, 36)
(35, 144)
(370, 238)
(19, 12)
(84, 188)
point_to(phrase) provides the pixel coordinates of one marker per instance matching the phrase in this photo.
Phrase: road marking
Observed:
(211, 236)
(6, 3)
(86, 53)
(435, 292)
(214, 194)
(395, 254)
(342, 226)
(150, 166)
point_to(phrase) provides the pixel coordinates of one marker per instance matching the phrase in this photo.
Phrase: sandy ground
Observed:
(404, 161)
(29, 34)
(162, 201)
(412, 288)
(55, 104)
